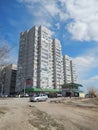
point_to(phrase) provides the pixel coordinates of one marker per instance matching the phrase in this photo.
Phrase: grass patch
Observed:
(1, 113)
(42, 121)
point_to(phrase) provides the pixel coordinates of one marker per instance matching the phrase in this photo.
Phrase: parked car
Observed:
(59, 95)
(87, 96)
(38, 97)
(23, 95)
(4, 96)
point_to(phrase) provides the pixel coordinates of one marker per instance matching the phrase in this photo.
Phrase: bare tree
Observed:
(92, 91)
(4, 53)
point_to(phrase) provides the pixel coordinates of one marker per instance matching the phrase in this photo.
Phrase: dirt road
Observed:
(55, 114)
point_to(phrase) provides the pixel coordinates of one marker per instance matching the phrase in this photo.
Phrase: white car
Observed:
(38, 97)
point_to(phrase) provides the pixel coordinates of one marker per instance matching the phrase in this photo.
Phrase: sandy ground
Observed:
(55, 114)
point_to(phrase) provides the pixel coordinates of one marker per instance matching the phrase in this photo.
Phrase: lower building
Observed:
(8, 80)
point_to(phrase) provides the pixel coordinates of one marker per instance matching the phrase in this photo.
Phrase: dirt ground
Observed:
(54, 114)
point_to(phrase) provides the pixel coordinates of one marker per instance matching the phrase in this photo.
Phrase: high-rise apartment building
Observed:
(67, 69)
(73, 72)
(40, 60)
(70, 75)
(45, 58)
(27, 59)
(57, 64)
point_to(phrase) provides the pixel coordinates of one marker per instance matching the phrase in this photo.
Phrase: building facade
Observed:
(9, 79)
(40, 60)
(73, 72)
(67, 69)
(70, 75)
(45, 58)
(57, 64)
(38, 56)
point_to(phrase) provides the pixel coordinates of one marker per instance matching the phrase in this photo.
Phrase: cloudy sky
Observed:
(73, 22)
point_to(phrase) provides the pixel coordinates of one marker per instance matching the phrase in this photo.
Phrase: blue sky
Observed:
(73, 22)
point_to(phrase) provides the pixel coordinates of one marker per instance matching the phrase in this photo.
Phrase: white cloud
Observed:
(39, 15)
(44, 11)
(94, 78)
(84, 15)
(91, 82)
(83, 66)
(51, 8)
(86, 64)
(79, 31)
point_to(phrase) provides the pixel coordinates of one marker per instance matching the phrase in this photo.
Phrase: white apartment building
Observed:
(45, 59)
(40, 62)
(36, 61)
(67, 69)
(73, 72)
(57, 64)
(70, 75)
(27, 59)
